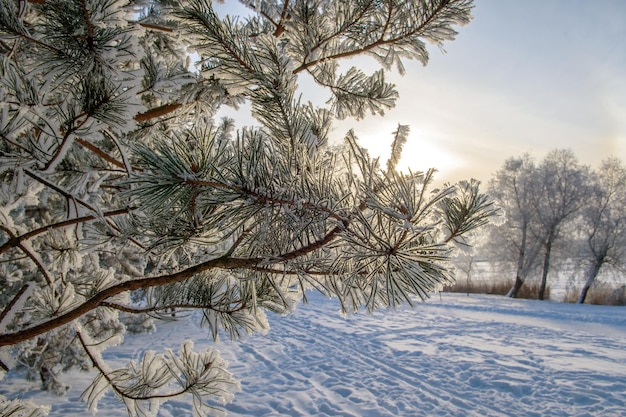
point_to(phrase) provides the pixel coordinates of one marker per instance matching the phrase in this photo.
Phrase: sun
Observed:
(423, 150)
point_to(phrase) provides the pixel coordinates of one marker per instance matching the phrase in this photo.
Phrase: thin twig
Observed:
(59, 190)
(17, 240)
(157, 112)
(280, 28)
(119, 390)
(153, 26)
(65, 142)
(28, 253)
(93, 148)
(133, 310)
(129, 168)
(13, 301)
(263, 198)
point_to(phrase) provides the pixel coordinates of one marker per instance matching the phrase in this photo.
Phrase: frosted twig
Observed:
(60, 190)
(13, 301)
(16, 240)
(30, 254)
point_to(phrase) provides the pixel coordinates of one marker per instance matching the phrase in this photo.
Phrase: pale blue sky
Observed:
(523, 76)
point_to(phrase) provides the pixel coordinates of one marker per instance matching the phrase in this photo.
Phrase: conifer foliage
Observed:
(123, 198)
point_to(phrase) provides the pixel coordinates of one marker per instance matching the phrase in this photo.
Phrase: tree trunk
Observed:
(516, 287)
(546, 266)
(520, 263)
(591, 277)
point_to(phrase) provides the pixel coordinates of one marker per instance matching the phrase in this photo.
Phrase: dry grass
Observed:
(530, 291)
(480, 287)
(599, 294)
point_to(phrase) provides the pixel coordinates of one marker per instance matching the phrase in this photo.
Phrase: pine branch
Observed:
(102, 296)
(42, 269)
(118, 390)
(13, 143)
(207, 23)
(17, 240)
(88, 24)
(223, 262)
(65, 142)
(125, 161)
(381, 41)
(264, 198)
(154, 27)
(38, 42)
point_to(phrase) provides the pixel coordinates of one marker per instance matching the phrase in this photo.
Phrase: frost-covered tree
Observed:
(123, 195)
(604, 221)
(517, 239)
(564, 187)
(538, 201)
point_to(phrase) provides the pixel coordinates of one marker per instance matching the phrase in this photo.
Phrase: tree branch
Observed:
(17, 240)
(280, 28)
(133, 310)
(65, 141)
(97, 299)
(93, 148)
(157, 112)
(224, 262)
(28, 253)
(37, 263)
(380, 42)
(59, 190)
(13, 301)
(153, 26)
(263, 198)
(125, 161)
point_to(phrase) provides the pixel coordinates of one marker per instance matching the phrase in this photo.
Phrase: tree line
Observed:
(558, 208)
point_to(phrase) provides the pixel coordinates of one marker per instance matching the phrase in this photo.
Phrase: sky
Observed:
(522, 77)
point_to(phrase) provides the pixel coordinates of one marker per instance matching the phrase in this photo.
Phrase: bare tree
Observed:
(514, 188)
(604, 221)
(564, 186)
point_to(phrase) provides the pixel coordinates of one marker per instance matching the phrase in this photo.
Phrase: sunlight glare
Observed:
(421, 151)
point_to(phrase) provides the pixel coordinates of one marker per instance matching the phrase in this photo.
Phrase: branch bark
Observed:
(93, 148)
(95, 301)
(224, 262)
(157, 112)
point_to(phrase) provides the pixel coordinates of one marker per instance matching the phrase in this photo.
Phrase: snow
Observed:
(454, 355)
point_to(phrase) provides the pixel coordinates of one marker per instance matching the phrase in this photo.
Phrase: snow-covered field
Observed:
(454, 355)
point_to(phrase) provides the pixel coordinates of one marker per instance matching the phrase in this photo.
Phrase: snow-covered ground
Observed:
(454, 355)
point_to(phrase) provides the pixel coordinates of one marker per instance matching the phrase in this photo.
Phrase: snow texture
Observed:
(454, 355)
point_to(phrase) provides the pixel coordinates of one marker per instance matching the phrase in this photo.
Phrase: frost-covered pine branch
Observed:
(123, 196)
